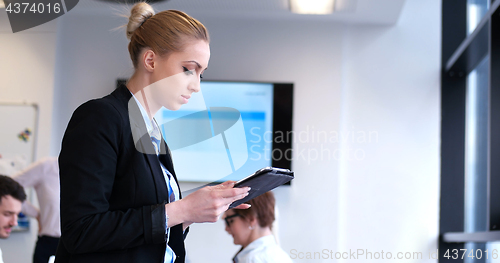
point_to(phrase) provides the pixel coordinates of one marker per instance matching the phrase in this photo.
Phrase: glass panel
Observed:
(474, 253)
(476, 154)
(493, 254)
(476, 9)
(476, 148)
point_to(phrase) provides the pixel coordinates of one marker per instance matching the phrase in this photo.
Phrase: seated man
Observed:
(11, 199)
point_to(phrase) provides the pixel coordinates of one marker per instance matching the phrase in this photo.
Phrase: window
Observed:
(470, 131)
(476, 153)
(476, 9)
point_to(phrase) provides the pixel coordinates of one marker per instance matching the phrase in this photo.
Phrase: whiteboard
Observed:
(18, 130)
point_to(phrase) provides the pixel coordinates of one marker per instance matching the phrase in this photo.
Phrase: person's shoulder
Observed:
(106, 118)
(50, 164)
(270, 253)
(103, 105)
(108, 108)
(116, 101)
(48, 160)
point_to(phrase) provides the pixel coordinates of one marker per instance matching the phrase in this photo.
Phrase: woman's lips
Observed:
(185, 98)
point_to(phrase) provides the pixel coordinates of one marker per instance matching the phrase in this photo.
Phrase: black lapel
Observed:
(166, 159)
(143, 144)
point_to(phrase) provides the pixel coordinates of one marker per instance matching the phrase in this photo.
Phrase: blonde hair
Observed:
(164, 32)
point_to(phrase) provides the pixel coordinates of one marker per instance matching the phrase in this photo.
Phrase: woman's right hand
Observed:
(205, 204)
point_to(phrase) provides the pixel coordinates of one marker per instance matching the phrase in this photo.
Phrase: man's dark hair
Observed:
(10, 187)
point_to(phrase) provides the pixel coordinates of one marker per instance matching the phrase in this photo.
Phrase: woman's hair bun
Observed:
(139, 13)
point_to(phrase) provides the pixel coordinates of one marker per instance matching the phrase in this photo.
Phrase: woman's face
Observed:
(238, 227)
(177, 75)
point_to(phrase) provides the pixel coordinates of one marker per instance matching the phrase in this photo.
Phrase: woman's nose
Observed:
(194, 86)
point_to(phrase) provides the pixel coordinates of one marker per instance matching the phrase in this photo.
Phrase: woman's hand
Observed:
(206, 204)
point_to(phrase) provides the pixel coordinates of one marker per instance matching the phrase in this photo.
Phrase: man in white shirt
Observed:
(43, 176)
(11, 198)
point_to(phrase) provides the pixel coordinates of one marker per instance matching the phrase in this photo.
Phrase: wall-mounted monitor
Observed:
(229, 130)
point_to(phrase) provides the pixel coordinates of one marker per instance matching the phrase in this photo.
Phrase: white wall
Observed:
(91, 55)
(27, 75)
(389, 200)
(353, 79)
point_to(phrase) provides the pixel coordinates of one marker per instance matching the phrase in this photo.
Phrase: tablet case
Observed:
(262, 181)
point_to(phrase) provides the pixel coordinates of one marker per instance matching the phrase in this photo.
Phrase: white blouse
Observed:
(43, 176)
(263, 250)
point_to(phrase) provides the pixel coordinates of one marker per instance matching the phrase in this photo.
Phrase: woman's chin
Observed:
(173, 107)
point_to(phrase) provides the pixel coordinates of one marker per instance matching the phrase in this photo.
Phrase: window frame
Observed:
(461, 53)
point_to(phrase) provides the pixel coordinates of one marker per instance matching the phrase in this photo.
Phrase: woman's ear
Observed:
(148, 60)
(253, 220)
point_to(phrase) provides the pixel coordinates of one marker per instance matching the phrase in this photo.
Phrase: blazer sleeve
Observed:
(87, 165)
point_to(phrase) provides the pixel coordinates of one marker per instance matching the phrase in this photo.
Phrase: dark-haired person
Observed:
(252, 229)
(120, 200)
(12, 197)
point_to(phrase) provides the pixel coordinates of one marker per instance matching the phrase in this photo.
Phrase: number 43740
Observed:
(470, 253)
(22, 8)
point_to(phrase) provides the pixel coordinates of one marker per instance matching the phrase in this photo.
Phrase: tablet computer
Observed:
(262, 181)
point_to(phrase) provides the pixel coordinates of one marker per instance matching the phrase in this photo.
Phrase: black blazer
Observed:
(113, 192)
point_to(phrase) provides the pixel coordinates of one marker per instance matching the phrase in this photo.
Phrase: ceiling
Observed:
(373, 12)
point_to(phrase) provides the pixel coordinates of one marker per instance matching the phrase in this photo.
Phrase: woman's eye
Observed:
(187, 71)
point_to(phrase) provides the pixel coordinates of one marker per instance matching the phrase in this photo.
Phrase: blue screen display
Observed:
(223, 133)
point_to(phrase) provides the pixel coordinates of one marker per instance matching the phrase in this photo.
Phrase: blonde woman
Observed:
(120, 200)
